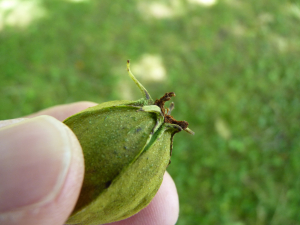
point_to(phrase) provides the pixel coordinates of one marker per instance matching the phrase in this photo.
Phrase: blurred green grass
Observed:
(234, 68)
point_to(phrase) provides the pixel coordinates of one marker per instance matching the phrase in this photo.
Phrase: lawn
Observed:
(234, 66)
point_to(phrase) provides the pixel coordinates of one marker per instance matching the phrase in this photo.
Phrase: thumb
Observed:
(41, 171)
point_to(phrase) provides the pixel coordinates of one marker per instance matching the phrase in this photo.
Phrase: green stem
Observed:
(145, 93)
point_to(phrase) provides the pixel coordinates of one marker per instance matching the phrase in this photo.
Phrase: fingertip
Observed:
(165, 204)
(62, 112)
(163, 209)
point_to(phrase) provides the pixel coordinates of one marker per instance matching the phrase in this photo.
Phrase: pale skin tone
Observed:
(22, 201)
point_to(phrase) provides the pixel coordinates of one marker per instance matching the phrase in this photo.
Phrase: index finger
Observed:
(62, 112)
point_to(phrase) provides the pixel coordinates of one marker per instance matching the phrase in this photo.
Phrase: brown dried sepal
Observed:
(166, 111)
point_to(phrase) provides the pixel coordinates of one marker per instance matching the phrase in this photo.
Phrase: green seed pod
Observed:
(127, 147)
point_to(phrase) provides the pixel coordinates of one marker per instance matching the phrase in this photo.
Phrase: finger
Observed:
(4, 123)
(163, 209)
(62, 112)
(41, 172)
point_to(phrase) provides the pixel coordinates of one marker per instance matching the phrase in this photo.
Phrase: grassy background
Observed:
(234, 67)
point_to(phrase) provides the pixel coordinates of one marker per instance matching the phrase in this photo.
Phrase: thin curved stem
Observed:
(145, 93)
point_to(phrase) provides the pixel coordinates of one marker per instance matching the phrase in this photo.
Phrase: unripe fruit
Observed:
(127, 147)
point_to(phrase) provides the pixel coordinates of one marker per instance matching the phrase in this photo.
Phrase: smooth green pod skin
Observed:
(126, 146)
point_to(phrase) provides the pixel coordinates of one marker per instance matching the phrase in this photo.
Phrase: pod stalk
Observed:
(145, 93)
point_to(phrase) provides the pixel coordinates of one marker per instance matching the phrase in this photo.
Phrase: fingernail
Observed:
(35, 155)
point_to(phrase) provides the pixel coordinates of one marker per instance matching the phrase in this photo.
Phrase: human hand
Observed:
(41, 173)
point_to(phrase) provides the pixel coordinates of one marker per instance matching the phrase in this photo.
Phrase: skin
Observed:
(57, 206)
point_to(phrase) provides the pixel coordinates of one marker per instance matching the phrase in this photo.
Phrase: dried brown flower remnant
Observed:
(166, 111)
